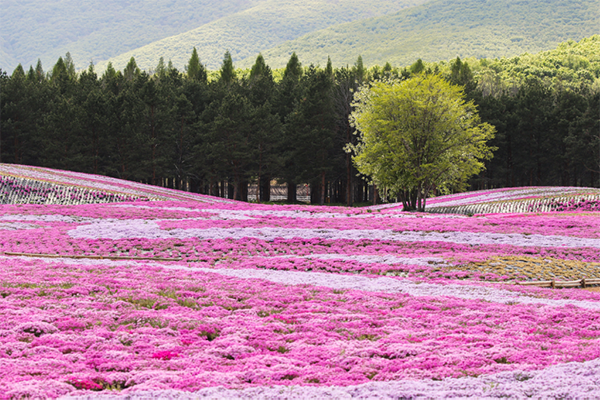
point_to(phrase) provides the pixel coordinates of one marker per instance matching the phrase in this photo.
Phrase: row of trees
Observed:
(217, 132)
(545, 136)
(183, 130)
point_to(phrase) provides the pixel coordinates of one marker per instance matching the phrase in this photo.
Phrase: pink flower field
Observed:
(165, 294)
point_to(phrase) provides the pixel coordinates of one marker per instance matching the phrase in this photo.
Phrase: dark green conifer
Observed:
(293, 68)
(131, 70)
(359, 70)
(70, 66)
(18, 73)
(195, 69)
(227, 72)
(417, 67)
(259, 68)
(161, 70)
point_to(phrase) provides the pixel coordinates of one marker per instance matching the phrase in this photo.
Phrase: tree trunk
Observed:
(242, 190)
(291, 192)
(375, 194)
(153, 145)
(348, 181)
(265, 188)
(322, 197)
(230, 190)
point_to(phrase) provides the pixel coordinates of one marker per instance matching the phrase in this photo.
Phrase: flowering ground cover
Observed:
(186, 298)
(514, 200)
(25, 184)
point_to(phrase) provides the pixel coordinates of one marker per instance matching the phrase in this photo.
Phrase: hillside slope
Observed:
(245, 34)
(444, 29)
(97, 30)
(24, 184)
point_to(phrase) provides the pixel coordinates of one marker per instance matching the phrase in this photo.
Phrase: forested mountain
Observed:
(570, 66)
(444, 29)
(395, 31)
(97, 30)
(266, 25)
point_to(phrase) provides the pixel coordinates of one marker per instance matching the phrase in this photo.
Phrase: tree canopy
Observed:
(418, 134)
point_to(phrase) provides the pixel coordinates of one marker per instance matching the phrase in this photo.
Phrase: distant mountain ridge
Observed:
(445, 29)
(246, 33)
(395, 31)
(97, 30)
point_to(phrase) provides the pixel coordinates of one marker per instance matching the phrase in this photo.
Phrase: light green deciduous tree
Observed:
(416, 135)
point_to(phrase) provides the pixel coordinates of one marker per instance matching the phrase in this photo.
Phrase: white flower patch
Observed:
(151, 230)
(296, 214)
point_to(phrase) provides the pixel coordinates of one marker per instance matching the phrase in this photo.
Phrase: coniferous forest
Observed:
(217, 132)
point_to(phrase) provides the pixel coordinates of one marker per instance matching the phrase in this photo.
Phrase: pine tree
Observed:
(31, 76)
(314, 122)
(60, 73)
(131, 70)
(259, 69)
(359, 70)
(161, 70)
(110, 72)
(293, 68)
(329, 67)
(39, 71)
(16, 115)
(195, 70)
(266, 125)
(417, 67)
(227, 72)
(289, 93)
(70, 66)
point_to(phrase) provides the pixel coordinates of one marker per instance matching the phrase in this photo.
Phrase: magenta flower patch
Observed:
(185, 297)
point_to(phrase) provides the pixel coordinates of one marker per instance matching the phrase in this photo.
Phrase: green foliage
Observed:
(570, 65)
(391, 31)
(444, 29)
(259, 69)
(195, 70)
(262, 25)
(227, 72)
(418, 134)
(292, 125)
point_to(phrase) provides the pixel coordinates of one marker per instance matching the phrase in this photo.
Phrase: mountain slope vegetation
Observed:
(444, 29)
(97, 30)
(246, 33)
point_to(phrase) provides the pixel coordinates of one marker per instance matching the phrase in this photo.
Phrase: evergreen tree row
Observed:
(217, 132)
(185, 131)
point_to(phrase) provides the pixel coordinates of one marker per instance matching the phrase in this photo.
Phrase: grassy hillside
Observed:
(245, 34)
(443, 29)
(97, 30)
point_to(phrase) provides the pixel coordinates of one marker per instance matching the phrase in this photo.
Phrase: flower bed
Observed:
(238, 301)
(512, 200)
(27, 185)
